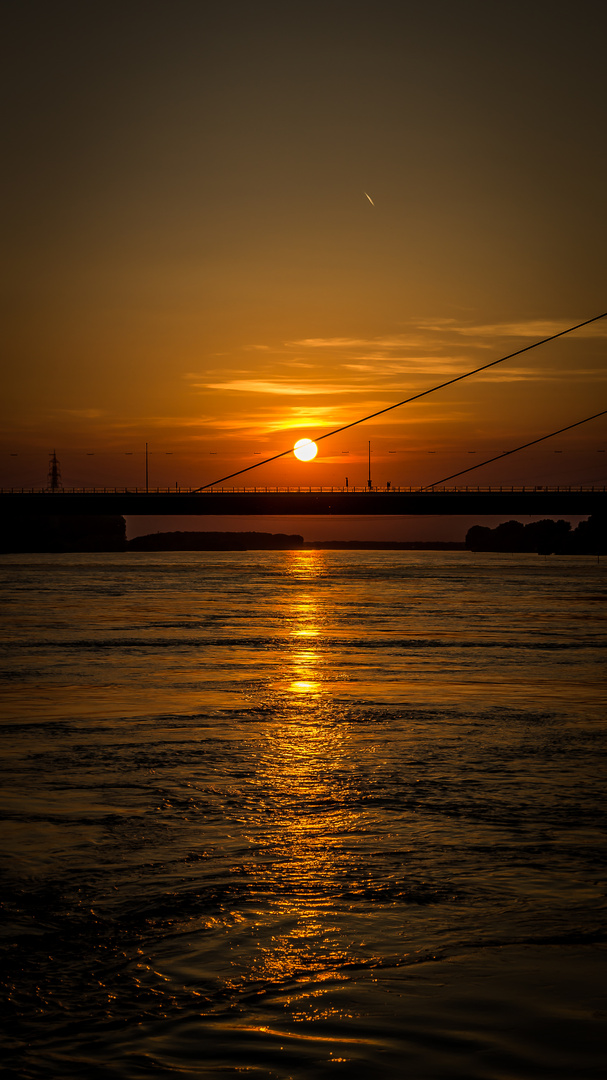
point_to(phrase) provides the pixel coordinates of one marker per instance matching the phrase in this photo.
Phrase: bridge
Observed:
(220, 502)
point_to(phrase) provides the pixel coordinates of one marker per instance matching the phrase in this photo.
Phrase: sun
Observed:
(305, 449)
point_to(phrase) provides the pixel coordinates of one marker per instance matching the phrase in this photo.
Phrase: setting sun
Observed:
(305, 449)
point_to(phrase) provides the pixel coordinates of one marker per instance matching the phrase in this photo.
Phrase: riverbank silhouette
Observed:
(89, 533)
(543, 537)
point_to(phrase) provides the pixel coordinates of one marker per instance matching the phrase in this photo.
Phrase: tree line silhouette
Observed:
(544, 537)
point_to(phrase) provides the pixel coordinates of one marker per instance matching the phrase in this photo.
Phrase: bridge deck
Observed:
(545, 502)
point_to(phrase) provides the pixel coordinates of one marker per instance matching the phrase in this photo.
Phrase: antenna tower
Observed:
(54, 473)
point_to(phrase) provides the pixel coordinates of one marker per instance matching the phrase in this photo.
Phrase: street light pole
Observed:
(146, 468)
(369, 480)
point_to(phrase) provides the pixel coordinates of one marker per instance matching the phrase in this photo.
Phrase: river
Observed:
(303, 814)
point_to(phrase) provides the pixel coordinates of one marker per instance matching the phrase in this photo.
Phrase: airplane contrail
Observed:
(370, 199)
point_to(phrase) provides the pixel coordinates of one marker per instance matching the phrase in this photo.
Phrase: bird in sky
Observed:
(370, 199)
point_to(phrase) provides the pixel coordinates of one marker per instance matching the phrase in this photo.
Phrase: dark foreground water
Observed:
(303, 814)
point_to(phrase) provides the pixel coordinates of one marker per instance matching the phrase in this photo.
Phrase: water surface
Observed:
(303, 814)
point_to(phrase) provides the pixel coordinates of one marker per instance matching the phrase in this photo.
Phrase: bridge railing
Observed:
(277, 490)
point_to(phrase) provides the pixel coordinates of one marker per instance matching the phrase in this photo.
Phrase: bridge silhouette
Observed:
(293, 502)
(212, 500)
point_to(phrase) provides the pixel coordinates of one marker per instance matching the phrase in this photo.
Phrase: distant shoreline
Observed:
(254, 541)
(99, 533)
(384, 545)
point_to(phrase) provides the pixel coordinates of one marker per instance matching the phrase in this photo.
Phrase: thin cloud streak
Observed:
(362, 379)
(252, 386)
(533, 328)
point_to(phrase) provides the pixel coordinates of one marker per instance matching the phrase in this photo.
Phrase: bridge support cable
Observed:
(407, 401)
(507, 453)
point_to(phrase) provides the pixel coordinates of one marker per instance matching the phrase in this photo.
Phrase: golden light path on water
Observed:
(301, 771)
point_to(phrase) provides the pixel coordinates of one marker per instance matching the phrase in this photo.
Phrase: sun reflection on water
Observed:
(302, 815)
(310, 563)
(304, 639)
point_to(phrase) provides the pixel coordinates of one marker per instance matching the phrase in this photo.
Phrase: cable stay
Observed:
(507, 453)
(416, 397)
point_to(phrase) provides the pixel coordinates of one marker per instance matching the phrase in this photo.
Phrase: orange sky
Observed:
(189, 258)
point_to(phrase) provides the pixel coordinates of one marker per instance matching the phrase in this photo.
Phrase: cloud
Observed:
(532, 328)
(398, 341)
(414, 365)
(400, 378)
(442, 368)
(328, 343)
(259, 386)
(536, 329)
